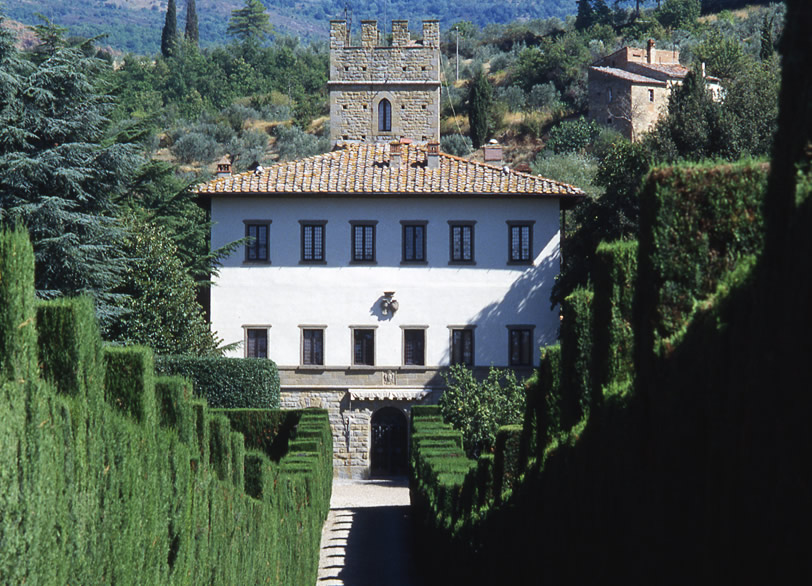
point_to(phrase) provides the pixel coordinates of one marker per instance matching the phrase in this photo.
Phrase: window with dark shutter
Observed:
(257, 246)
(312, 242)
(384, 116)
(521, 344)
(256, 343)
(363, 342)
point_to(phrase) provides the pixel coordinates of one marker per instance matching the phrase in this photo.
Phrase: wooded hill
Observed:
(135, 25)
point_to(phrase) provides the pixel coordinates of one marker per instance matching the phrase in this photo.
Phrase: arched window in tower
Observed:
(384, 116)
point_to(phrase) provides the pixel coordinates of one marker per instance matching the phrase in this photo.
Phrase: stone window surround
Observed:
(267, 328)
(323, 224)
(468, 328)
(309, 327)
(451, 225)
(516, 328)
(267, 225)
(358, 223)
(424, 225)
(353, 365)
(404, 329)
(394, 118)
(519, 224)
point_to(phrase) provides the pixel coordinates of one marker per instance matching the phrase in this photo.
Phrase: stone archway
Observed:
(389, 445)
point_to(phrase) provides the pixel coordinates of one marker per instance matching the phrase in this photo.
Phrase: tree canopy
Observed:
(251, 23)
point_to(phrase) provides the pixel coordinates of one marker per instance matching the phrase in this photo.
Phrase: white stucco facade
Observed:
(286, 295)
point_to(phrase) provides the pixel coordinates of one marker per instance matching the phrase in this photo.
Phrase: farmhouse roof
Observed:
(367, 169)
(627, 75)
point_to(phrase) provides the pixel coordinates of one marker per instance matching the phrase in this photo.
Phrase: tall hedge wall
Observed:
(696, 222)
(692, 472)
(229, 383)
(109, 474)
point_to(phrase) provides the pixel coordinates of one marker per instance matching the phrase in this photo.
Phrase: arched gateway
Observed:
(389, 442)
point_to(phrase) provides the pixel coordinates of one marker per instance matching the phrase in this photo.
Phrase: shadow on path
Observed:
(366, 541)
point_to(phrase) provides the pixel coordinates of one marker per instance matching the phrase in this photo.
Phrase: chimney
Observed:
(224, 167)
(650, 52)
(395, 156)
(433, 155)
(493, 152)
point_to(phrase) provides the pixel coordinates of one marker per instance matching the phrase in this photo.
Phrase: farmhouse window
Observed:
(313, 241)
(384, 116)
(256, 342)
(414, 347)
(462, 242)
(363, 347)
(462, 346)
(520, 242)
(312, 346)
(414, 242)
(520, 345)
(256, 247)
(651, 95)
(363, 241)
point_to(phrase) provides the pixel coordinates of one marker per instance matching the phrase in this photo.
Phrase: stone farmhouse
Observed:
(629, 89)
(373, 267)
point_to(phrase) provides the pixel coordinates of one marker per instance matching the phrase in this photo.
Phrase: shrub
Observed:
(573, 136)
(294, 143)
(196, 147)
(227, 382)
(456, 144)
(479, 408)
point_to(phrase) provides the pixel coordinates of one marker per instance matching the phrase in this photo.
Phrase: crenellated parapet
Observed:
(405, 74)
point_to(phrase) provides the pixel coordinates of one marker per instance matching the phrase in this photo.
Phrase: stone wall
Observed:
(407, 73)
(350, 422)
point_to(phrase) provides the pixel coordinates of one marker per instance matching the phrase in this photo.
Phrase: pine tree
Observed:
(169, 34)
(250, 24)
(191, 22)
(60, 172)
(480, 101)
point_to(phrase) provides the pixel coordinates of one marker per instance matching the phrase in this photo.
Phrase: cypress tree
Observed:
(585, 17)
(767, 44)
(169, 34)
(191, 22)
(479, 107)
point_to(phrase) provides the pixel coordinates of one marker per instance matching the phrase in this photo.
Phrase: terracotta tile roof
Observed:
(364, 169)
(627, 75)
(671, 70)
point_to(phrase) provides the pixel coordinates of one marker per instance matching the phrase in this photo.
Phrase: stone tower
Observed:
(384, 93)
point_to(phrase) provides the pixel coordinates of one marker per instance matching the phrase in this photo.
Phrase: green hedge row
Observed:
(690, 466)
(229, 383)
(696, 222)
(576, 356)
(109, 474)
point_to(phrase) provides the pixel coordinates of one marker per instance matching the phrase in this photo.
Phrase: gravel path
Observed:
(367, 538)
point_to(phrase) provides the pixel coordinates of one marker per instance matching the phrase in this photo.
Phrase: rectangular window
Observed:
(363, 347)
(363, 242)
(313, 242)
(651, 95)
(414, 242)
(520, 242)
(414, 347)
(462, 346)
(256, 249)
(312, 346)
(256, 342)
(462, 242)
(521, 345)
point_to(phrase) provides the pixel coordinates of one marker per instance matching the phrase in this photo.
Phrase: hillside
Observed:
(135, 25)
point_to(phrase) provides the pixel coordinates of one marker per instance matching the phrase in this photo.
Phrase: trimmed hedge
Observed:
(696, 222)
(228, 383)
(692, 472)
(576, 356)
(613, 337)
(147, 486)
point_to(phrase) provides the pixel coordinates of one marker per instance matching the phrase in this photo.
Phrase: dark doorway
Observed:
(389, 447)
